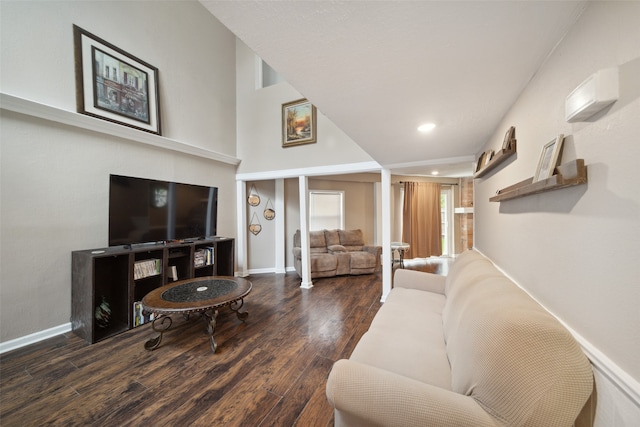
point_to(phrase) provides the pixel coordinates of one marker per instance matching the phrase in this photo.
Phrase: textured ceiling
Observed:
(378, 69)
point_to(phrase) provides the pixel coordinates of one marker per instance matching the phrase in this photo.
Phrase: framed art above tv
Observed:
(114, 85)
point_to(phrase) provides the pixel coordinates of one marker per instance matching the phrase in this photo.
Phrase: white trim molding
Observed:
(311, 171)
(58, 115)
(34, 338)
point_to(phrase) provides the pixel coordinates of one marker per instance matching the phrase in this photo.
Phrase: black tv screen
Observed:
(146, 210)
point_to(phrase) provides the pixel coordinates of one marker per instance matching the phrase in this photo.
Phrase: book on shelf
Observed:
(140, 317)
(146, 268)
(203, 257)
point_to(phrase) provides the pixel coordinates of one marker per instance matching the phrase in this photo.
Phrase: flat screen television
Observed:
(145, 210)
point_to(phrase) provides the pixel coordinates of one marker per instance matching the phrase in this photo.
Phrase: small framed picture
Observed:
(114, 85)
(488, 155)
(481, 162)
(549, 159)
(298, 123)
(508, 137)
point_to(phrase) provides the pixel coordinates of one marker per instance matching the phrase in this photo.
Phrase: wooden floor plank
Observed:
(287, 411)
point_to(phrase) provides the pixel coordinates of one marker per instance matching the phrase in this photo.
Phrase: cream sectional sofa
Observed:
(337, 252)
(468, 349)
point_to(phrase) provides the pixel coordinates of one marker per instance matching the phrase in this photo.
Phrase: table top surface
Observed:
(198, 294)
(399, 245)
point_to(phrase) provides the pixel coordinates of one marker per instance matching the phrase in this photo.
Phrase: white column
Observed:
(281, 237)
(386, 232)
(241, 223)
(303, 186)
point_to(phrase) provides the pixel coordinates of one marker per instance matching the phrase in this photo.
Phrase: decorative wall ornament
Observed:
(103, 314)
(254, 197)
(269, 212)
(254, 225)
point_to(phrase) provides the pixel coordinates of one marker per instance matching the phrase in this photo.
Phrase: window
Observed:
(326, 210)
(265, 75)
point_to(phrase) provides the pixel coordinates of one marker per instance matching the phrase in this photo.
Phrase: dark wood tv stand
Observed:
(121, 277)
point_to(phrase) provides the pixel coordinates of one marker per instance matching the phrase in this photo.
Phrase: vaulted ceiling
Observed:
(379, 69)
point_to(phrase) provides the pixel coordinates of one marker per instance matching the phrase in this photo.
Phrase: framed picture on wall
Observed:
(548, 159)
(114, 85)
(298, 123)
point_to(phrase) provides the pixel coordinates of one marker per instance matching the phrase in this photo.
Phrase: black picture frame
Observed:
(114, 85)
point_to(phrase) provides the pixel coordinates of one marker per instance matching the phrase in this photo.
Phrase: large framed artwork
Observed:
(298, 123)
(114, 85)
(549, 159)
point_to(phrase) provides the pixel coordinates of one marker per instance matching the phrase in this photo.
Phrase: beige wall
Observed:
(576, 250)
(259, 127)
(54, 177)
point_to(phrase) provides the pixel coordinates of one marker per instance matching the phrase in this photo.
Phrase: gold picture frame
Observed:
(298, 123)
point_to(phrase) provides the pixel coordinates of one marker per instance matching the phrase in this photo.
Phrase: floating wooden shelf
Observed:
(497, 159)
(567, 175)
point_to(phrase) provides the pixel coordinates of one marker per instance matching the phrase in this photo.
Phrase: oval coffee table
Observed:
(204, 295)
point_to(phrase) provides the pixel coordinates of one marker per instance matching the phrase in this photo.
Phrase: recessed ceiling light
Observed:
(434, 172)
(427, 127)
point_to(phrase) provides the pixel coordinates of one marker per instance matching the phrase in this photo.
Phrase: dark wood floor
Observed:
(269, 371)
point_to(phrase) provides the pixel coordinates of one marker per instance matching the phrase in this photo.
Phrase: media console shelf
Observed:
(497, 159)
(567, 175)
(106, 283)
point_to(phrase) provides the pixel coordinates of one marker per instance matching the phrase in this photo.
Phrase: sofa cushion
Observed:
(353, 240)
(405, 337)
(331, 237)
(323, 262)
(476, 270)
(317, 243)
(362, 260)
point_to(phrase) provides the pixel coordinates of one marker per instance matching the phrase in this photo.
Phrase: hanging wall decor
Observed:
(254, 225)
(114, 85)
(298, 123)
(269, 212)
(254, 197)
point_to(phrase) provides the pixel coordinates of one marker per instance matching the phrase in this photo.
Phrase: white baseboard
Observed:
(270, 270)
(34, 338)
(261, 271)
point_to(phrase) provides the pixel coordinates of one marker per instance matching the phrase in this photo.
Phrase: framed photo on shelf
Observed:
(298, 123)
(508, 137)
(548, 159)
(481, 161)
(488, 155)
(114, 85)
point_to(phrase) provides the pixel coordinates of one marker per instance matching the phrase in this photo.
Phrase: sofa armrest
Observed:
(373, 396)
(411, 279)
(377, 252)
(297, 253)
